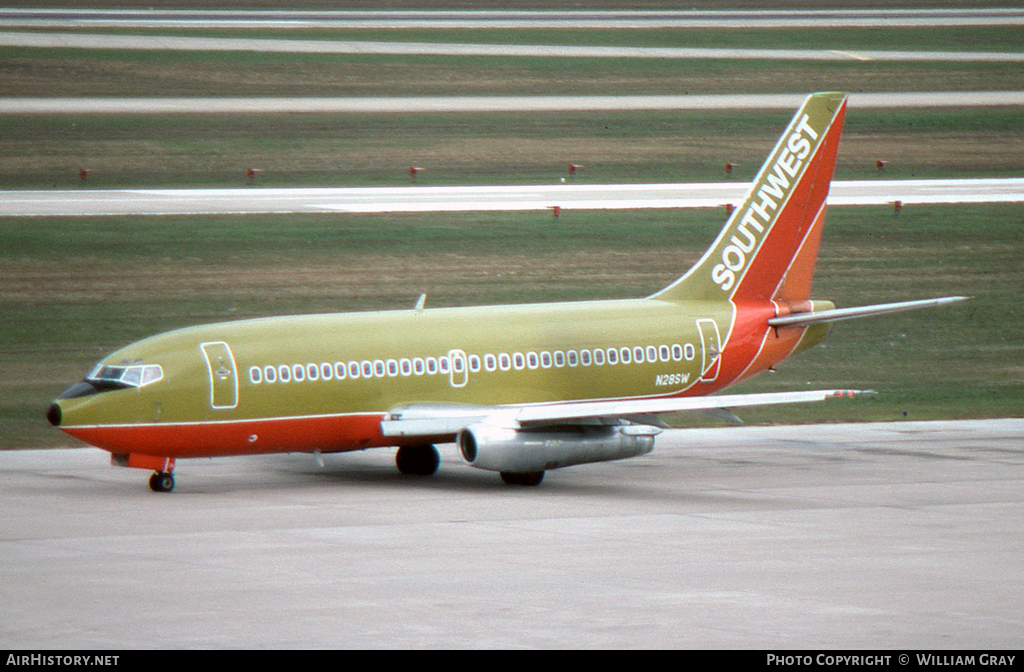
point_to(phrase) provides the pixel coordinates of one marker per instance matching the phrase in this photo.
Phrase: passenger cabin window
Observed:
(106, 377)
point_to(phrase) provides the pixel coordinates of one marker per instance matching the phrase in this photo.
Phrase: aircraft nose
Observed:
(54, 414)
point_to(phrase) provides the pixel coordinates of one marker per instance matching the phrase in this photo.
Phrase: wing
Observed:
(433, 421)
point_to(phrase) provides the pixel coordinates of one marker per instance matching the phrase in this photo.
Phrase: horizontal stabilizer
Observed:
(800, 319)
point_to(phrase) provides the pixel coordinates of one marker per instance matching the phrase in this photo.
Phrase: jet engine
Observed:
(536, 450)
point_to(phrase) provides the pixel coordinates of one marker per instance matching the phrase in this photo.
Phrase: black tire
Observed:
(161, 481)
(418, 460)
(529, 478)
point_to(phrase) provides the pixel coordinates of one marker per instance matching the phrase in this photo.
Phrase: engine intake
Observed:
(532, 450)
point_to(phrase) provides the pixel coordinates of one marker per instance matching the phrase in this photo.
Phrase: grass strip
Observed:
(76, 289)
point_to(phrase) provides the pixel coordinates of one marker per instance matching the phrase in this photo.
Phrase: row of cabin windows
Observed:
(503, 361)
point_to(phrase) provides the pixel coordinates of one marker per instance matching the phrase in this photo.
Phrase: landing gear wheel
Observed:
(418, 460)
(161, 481)
(529, 478)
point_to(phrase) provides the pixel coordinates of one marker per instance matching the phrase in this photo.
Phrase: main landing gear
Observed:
(424, 461)
(529, 478)
(418, 460)
(161, 481)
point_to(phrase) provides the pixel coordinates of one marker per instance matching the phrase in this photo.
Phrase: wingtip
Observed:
(850, 394)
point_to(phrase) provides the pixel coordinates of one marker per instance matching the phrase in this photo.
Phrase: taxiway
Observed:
(257, 200)
(891, 535)
(487, 104)
(361, 47)
(535, 19)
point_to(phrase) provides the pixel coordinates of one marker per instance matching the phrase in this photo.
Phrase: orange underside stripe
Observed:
(212, 439)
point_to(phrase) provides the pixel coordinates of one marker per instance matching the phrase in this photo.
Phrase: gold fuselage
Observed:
(364, 364)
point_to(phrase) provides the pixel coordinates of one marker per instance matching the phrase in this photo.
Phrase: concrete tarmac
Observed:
(507, 19)
(893, 535)
(297, 200)
(487, 104)
(366, 47)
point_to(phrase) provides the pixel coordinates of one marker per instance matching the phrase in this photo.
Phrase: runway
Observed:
(257, 200)
(361, 47)
(492, 104)
(890, 535)
(507, 19)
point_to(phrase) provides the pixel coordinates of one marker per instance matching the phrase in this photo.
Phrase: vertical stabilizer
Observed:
(769, 246)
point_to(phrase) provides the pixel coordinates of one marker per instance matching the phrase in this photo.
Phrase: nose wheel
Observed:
(161, 481)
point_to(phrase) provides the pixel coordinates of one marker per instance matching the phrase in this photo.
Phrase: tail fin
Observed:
(769, 246)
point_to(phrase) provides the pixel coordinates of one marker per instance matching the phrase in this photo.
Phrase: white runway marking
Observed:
(508, 19)
(476, 104)
(164, 43)
(256, 200)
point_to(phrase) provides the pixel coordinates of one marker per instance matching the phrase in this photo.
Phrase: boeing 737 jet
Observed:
(520, 389)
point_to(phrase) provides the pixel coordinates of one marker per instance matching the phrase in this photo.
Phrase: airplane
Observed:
(520, 389)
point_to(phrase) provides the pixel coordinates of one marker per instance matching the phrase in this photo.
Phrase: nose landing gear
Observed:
(161, 481)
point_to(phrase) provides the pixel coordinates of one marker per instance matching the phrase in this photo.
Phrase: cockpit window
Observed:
(105, 378)
(135, 375)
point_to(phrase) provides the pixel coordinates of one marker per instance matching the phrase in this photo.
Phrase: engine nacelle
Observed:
(527, 450)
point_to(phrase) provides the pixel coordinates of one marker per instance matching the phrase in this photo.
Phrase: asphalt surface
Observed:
(608, 19)
(893, 535)
(455, 104)
(256, 200)
(163, 43)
